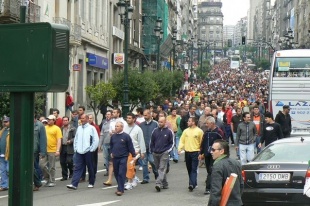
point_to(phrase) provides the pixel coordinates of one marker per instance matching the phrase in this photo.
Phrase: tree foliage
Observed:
(263, 63)
(99, 95)
(39, 101)
(142, 87)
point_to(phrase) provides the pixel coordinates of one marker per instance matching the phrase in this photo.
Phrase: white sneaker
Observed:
(128, 186)
(137, 179)
(140, 168)
(90, 186)
(134, 183)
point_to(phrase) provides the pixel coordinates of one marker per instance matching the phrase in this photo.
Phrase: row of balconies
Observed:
(10, 12)
(75, 30)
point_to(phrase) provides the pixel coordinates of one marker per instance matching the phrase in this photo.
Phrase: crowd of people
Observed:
(202, 119)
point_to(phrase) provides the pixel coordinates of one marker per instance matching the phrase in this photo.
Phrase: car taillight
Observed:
(243, 175)
(308, 173)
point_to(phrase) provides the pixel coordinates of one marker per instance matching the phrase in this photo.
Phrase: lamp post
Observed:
(125, 11)
(199, 44)
(174, 42)
(159, 34)
(192, 48)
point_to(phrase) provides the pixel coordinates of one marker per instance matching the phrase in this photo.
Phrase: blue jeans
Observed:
(4, 171)
(175, 148)
(246, 153)
(148, 158)
(237, 151)
(257, 141)
(191, 160)
(106, 156)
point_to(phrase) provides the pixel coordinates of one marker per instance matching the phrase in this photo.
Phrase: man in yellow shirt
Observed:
(190, 141)
(47, 164)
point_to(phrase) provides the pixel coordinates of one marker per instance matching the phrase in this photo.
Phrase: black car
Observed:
(277, 175)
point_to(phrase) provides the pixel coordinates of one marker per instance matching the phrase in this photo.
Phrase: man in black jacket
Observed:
(184, 120)
(223, 166)
(67, 151)
(284, 119)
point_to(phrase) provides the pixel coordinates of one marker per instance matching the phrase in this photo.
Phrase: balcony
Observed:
(75, 30)
(10, 12)
(211, 4)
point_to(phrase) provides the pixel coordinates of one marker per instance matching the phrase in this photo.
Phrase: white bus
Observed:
(289, 84)
(234, 62)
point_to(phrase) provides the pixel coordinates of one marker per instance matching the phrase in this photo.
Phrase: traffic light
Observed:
(229, 43)
(243, 40)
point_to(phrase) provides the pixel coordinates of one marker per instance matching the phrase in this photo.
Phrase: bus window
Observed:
(292, 67)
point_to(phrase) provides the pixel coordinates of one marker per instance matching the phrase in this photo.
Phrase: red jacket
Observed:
(97, 128)
(229, 115)
(59, 122)
(69, 100)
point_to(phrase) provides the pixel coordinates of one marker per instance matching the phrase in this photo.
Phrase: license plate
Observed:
(274, 176)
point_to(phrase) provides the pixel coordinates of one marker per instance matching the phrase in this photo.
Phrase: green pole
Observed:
(199, 64)
(158, 53)
(173, 57)
(201, 60)
(125, 106)
(21, 149)
(21, 144)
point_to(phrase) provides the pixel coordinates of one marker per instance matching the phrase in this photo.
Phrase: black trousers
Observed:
(66, 162)
(209, 163)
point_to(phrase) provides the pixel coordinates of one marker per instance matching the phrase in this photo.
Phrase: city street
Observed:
(177, 194)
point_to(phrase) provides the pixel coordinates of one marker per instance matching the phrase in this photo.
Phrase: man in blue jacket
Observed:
(121, 145)
(162, 142)
(85, 142)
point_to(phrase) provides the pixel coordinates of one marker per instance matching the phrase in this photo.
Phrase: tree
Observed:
(142, 87)
(39, 100)
(99, 95)
(263, 63)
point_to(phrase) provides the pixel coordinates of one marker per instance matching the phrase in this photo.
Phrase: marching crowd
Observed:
(202, 119)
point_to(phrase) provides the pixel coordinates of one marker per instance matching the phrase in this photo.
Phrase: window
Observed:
(211, 27)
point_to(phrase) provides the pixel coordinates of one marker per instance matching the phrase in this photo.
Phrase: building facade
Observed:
(211, 24)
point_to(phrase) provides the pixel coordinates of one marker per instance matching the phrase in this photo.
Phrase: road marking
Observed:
(101, 203)
(105, 188)
(59, 178)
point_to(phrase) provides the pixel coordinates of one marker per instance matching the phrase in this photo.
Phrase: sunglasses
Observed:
(213, 149)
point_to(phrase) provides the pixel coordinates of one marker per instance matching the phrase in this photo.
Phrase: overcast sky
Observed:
(234, 10)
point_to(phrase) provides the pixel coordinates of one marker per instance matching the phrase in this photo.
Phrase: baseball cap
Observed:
(286, 107)
(44, 120)
(51, 117)
(6, 119)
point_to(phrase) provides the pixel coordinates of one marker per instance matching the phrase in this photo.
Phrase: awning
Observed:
(136, 53)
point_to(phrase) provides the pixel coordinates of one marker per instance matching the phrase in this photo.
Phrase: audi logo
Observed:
(273, 167)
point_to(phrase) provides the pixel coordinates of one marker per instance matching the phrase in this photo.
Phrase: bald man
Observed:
(162, 142)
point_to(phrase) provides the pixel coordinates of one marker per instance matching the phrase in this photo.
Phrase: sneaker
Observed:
(51, 184)
(71, 187)
(207, 192)
(157, 188)
(128, 186)
(165, 187)
(191, 188)
(134, 183)
(44, 181)
(144, 182)
(90, 186)
(140, 168)
(137, 179)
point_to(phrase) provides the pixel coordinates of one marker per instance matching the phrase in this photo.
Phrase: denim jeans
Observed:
(246, 153)
(175, 148)
(4, 172)
(237, 151)
(148, 158)
(257, 141)
(191, 160)
(106, 156)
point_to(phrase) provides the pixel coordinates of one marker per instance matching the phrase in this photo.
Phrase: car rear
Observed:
(277, 175)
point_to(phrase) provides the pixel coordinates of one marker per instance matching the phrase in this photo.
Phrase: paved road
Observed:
(176, 195)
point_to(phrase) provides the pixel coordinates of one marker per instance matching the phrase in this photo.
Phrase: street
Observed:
(177, 194)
